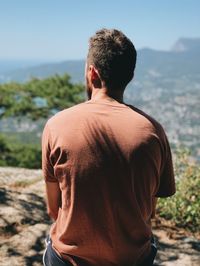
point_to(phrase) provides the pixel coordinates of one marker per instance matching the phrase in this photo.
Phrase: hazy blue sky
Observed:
(59, 29)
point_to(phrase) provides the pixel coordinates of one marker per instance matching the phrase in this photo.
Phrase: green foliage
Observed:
(39, 98)
(183, 207)
(32, 137)
(34, 100)
(4, 154)
(19, 154)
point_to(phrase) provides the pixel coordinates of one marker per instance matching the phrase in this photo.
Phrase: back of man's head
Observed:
(114, 56)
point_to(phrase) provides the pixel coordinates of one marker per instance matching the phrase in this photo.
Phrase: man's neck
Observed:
(104, 94)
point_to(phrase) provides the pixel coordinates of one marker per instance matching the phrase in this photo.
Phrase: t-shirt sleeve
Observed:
(47, 167)
(167, 180)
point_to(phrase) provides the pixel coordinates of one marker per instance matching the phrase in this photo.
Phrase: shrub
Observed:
(19, 154)
(183, 207)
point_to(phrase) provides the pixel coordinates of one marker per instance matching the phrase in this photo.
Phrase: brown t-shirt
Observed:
(110, 160)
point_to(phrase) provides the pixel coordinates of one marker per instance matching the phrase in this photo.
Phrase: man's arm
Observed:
(167, 186)
(53, 192)
(53, 196)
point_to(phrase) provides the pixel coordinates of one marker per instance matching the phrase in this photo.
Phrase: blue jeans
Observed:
(51, 258)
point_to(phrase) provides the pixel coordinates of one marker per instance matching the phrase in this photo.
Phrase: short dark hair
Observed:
(114, 56)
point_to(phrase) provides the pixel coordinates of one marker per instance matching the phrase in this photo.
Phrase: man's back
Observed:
(110, 161)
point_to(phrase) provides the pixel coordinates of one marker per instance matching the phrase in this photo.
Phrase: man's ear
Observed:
(95, 77)
(94, 73)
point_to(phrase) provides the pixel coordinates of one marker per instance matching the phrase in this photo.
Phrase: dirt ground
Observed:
(24, 225)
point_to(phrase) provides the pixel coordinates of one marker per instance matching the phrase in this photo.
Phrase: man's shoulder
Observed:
(148, 118)
(75, 110)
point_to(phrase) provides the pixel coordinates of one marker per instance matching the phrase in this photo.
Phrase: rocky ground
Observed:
(24, 225)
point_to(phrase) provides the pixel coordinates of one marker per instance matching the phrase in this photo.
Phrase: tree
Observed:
(32, 101)
(39, 98)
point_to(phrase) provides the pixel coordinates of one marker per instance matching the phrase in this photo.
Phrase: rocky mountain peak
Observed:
(186, 44)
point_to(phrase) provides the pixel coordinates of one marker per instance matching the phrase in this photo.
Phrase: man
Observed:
(104, 164)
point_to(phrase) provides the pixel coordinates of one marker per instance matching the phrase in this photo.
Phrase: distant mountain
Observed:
(74, 68)
(10, 65)
(182, 60)
(185, 44)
